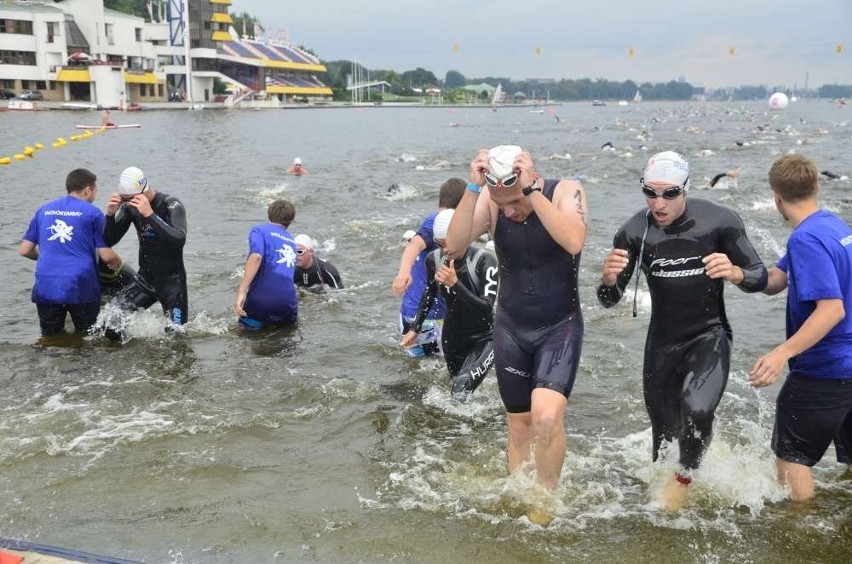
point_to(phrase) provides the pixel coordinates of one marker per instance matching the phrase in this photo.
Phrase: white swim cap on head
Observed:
(132, 181)
(442, 223)
(501, 159)
(668, 167)
(408, 235)
(297, 160)
(305, 241)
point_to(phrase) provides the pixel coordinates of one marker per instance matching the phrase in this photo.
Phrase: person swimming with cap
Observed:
(311, 270)
(687, 249)
(160, 222)
(468, 284)
(539, 228)
(297, 168)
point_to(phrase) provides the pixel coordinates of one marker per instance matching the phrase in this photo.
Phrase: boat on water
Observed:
(599, 103)
(637, 97)
(24, 106)
(24, 552)
(122, 126)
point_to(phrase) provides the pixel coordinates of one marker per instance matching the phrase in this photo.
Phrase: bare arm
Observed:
(566, 218)
(827, 314)
(777, 281)
(409, 255)
(474, 214)
(28, 249)
(109, 257)
(252, 267)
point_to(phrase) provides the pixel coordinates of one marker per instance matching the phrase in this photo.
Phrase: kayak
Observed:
(17, 551)
(122, 126)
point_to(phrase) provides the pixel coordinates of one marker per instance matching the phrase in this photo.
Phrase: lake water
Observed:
(326, 443)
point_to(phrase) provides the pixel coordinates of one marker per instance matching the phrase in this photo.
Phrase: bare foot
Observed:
(673, 497)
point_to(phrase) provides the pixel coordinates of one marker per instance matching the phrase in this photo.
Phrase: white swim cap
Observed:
(305, 241)
(668, 167)
(408, 235)
(297, 161)
(132, 181)
(442, 223)
(501, 159)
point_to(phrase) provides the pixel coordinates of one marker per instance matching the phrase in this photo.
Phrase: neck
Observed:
(797, 212)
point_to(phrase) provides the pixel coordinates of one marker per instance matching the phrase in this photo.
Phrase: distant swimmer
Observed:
(729, 174)
(831, 175)
(608, 146)
(393, 189)
(408, 236)
(297, 169)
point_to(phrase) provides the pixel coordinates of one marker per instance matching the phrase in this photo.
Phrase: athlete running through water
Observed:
(160, 222)
(687, 251)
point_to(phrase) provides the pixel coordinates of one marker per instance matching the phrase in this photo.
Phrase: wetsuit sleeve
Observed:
(175, 233)
(479, 301)
(736, 245)
(117, 225)
(331, 276)
(608, 296)
(429, 297)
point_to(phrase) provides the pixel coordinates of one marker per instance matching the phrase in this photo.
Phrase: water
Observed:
(326, 442)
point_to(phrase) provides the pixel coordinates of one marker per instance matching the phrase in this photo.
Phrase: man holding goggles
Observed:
(539, 229)
(686, 251)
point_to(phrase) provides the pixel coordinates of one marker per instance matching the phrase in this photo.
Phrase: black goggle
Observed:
(505, 182)
(667, 194)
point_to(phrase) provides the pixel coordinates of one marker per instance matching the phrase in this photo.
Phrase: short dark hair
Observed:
(451, 193)
(78, 179)
(794, 177)
(281, 212)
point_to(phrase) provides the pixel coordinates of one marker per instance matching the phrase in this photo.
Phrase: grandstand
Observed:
(277, 68)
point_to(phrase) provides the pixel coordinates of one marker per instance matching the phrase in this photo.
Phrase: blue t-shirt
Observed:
(68, 232)
(411, 298)
(272, 294)
(818, 264)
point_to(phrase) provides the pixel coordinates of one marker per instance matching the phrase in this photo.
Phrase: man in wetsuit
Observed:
(814, 406)
(687, 249)
(267, 293)
(311, 270)
(468, 284)
(539, 229)
(160, 222)
(410, 281)
(65, 238)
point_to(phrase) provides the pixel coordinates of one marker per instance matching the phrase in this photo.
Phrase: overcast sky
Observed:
(774, 42)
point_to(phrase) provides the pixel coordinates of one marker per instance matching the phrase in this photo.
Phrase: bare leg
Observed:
(798, 477)
(520, 439)
(548, 410)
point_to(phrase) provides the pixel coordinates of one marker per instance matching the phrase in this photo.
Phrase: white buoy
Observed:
(778, 101)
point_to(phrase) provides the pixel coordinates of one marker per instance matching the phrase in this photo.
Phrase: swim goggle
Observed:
(505, 182)
(667, 194)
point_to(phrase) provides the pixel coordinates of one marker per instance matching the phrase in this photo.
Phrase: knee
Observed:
(520, 430)
(547, 424)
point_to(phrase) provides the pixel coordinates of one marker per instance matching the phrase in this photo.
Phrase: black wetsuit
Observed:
(538, 327)
(320, 272)
(113, 281)
(688, 347)
(467, 336)
(162, 276)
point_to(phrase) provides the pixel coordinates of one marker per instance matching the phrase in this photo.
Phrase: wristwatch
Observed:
(532, 188)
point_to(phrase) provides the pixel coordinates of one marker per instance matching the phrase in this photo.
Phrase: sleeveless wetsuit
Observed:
(161, 240)
(538, 327)
(467, 335)
(688, 347)
(320, 272)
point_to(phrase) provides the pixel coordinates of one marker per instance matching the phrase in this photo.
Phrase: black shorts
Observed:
(811, 413)
(547, 357)
(51, 317)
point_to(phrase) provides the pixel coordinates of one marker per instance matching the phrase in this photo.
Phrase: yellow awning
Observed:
(140, 78)
(221, 36)
(75, 75)
(271, 64)
(221, 17)
(225, 2)
(299, 90)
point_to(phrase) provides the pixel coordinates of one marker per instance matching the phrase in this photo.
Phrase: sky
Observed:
(714, 43)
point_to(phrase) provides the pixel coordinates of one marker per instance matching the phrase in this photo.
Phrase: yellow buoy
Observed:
(56, 145)
(5, 161)
(61, 141)
(19, 157)
(39, 146)
(29, 151)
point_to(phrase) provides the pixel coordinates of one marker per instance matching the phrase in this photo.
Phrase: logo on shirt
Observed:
(61, 231)
(674, 268)
(286, 255)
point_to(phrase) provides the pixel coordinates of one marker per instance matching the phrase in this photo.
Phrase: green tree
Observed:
(454, 79)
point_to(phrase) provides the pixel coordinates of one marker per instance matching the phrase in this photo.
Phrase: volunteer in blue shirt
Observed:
(65, 238)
